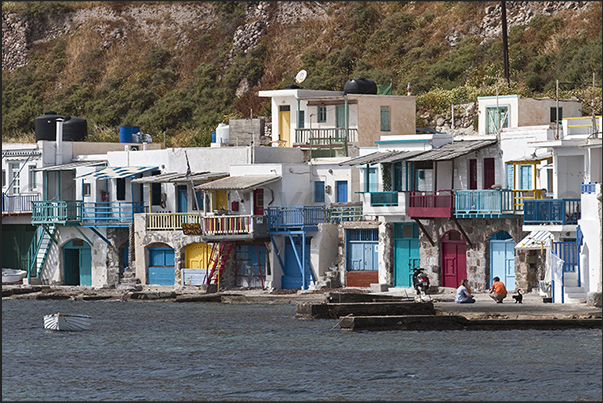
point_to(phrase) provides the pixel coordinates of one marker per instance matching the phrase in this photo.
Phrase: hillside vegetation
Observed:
(180, 68)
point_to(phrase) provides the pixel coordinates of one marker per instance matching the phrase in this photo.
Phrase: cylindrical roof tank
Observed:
(74, 129)
(360, 86)
(46, 126)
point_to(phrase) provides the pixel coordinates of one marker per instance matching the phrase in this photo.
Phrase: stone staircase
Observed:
(129, 282)
(329, 280)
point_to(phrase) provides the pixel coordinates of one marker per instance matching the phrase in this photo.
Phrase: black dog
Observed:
(518, 298)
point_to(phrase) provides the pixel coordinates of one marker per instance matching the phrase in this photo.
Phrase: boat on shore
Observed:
(72, 322)
(12, 275)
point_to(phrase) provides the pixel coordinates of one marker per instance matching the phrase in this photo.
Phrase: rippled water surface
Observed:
(211, 351)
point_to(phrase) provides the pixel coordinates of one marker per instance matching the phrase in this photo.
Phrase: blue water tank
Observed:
(125, 134)
(213, 137)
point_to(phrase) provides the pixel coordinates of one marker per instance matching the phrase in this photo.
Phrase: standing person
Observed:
(498, 292)
(463, 294)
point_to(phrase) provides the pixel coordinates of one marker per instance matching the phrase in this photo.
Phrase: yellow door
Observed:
(285, 125)
(219, 200)
(197, 256)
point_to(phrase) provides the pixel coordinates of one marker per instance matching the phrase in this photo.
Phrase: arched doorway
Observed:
(77, 263)
(502, 259)
(454, 259)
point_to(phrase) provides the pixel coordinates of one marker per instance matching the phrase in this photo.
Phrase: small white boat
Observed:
(62, 321)
(12, 275)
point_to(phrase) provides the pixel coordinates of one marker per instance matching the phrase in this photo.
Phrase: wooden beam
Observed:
(458, 224)
(424, 231)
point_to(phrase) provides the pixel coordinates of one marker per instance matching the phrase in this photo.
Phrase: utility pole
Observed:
(505, 44)
(592, 105)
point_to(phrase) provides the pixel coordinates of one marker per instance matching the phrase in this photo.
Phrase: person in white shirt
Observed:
(463, 295)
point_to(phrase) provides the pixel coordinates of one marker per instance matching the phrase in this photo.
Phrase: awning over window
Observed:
(116, 172)
(531, 159)
(71, 166)
(245, 182)
(177, 177)
(535, 240)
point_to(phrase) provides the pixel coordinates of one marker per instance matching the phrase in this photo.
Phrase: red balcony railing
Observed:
(430, 204)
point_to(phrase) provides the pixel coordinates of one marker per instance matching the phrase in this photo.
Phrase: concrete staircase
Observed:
(571, 292)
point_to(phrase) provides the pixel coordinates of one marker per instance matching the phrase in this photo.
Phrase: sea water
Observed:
(211, 351)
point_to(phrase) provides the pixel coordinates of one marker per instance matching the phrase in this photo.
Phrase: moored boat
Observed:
(73, 322)
(12, 275)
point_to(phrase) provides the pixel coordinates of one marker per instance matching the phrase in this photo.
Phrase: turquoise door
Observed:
(161, 266)
(182, 199)
(77, 263)
(502, 259)
(406, 253)
(292, 276)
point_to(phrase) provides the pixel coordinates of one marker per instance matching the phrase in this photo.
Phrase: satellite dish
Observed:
(301, 76)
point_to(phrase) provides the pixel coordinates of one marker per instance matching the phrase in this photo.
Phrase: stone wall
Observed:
(479, 231)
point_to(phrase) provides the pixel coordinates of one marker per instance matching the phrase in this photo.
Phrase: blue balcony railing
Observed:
(304, 218)
(588, 188)
(483, 203)
(110, 213)
(551, 211)
(56, 212)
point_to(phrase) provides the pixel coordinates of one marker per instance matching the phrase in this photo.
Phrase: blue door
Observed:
(292, 276)
(406, 253)
(161, 266)
(502, 259)
(342, 191)
(182, 199)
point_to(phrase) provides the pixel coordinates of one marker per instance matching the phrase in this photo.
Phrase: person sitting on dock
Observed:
(463, 294)
(498, 292)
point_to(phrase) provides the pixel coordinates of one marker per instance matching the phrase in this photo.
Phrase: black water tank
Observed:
(360, 86)
(46, 126)
(74, 129)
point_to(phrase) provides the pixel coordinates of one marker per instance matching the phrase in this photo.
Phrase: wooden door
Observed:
(454, 259)
(285, 125)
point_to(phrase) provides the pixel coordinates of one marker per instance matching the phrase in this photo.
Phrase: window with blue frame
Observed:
(510, 176)
(319, 191)
(322, 114)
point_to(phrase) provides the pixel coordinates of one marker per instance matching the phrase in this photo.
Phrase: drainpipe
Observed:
(58, 157)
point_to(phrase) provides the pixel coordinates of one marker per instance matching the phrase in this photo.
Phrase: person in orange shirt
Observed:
(498, 292)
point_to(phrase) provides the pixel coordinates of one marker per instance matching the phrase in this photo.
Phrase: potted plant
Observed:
(104, 195)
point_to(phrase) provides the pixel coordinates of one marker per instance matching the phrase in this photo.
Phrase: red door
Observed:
(489, 178)
(258, 202)
(472, 174)
(454, 259)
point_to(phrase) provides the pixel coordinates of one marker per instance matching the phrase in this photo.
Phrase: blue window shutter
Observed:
(319, 192)
(510, 176)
